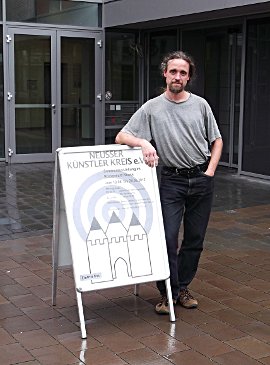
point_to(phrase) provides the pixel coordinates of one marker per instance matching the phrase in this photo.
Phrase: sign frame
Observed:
(63, 226)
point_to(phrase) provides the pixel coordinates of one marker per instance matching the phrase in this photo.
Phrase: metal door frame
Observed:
(11, 155)
(55, 34)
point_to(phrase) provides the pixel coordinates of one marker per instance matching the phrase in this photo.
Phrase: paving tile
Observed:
(132, 303)
(6, 280)
(54, 355)
(30, 281)
(251, 347)
(262, 316)
(19, 272)
(101, 356)
(99, 327)
(72, 314)
(138, 328)
(232, 317)
(116, 315)
(221, 331)
(180, 329)
(13, 354)
(75, 344)
(143, 356)
(5, 337)
(57, 326)
(39, 314)
(193, 316)
(258, 330)
(242, 305)
(265, 360)
(207, 305)
(9, 310)
(42, 291)
(207, 345)
(27, 300)
(215, 293)
(189, 357)
(119, 342)
(34, 339)
(259, 284)
(94, 300)
(18, 324)
(163, 344)
(251, 294)
(13, 290)
(62, 300)
(235, 358)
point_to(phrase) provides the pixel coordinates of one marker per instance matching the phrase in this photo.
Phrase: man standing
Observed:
(188, 147)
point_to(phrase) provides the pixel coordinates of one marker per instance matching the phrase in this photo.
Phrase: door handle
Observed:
(53, 106)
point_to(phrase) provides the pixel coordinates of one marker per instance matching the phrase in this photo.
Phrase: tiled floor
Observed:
(231, 325)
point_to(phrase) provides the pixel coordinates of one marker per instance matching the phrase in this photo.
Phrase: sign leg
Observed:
(81, 315)
(170, 301)
(55, 240)
(136, 289)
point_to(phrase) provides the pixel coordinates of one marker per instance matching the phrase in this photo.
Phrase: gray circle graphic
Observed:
(93, 200)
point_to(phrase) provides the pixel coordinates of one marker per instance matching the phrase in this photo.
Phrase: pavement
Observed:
(231, 325)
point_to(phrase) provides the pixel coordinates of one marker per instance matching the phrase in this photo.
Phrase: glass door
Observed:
(79, 88)
(54, 86)
(31, 95)
(222, 87)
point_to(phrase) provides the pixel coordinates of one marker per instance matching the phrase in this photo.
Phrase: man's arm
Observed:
(215, 156)
(149, 153)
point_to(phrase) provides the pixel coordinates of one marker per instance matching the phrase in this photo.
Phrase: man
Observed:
(183, 127)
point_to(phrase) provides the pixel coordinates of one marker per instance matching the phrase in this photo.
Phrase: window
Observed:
(64, 12)
(256, 131)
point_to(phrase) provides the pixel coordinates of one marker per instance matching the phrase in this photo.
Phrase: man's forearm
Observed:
(215, 156)
(148, 151)
(128, 139)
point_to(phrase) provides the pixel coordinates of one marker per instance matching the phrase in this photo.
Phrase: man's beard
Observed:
(176, 88)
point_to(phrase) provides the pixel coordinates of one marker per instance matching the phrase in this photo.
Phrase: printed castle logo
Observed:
(118, 245)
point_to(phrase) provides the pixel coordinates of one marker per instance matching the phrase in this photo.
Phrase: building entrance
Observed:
(53, 92)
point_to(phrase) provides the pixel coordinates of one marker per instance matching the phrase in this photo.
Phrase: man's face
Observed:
(177, 75)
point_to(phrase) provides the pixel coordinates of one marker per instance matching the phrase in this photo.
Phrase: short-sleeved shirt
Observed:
(182, 131)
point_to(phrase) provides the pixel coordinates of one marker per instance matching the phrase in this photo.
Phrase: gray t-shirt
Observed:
(182, 131)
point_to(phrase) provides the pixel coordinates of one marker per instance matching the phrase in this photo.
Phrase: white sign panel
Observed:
(114, 217)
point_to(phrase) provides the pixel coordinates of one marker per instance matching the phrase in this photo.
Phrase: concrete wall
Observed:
(123, 12)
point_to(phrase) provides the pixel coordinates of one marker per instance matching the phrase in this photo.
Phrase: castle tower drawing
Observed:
(117, 237)
(138, 249)
(118, 245)
(99, 253)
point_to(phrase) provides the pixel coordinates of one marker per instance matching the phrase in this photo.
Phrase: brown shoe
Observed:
(187, 300)
(163, 306)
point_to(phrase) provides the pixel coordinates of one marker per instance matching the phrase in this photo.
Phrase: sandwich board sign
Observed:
(107, 220)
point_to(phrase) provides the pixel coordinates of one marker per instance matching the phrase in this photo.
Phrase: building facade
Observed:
(73, 72)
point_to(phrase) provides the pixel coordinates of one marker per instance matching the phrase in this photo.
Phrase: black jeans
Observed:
(188, 198)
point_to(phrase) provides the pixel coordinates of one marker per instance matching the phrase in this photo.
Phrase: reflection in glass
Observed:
(160, 44)
(2, 128)
(237, 97)
(122, 53)
(222, 86)
(110, 135)
(78, 91)
(256, 131)
(217, 86)
(64, 12)
(33, 94)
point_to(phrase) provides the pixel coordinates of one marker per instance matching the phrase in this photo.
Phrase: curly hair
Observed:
(178, 55)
